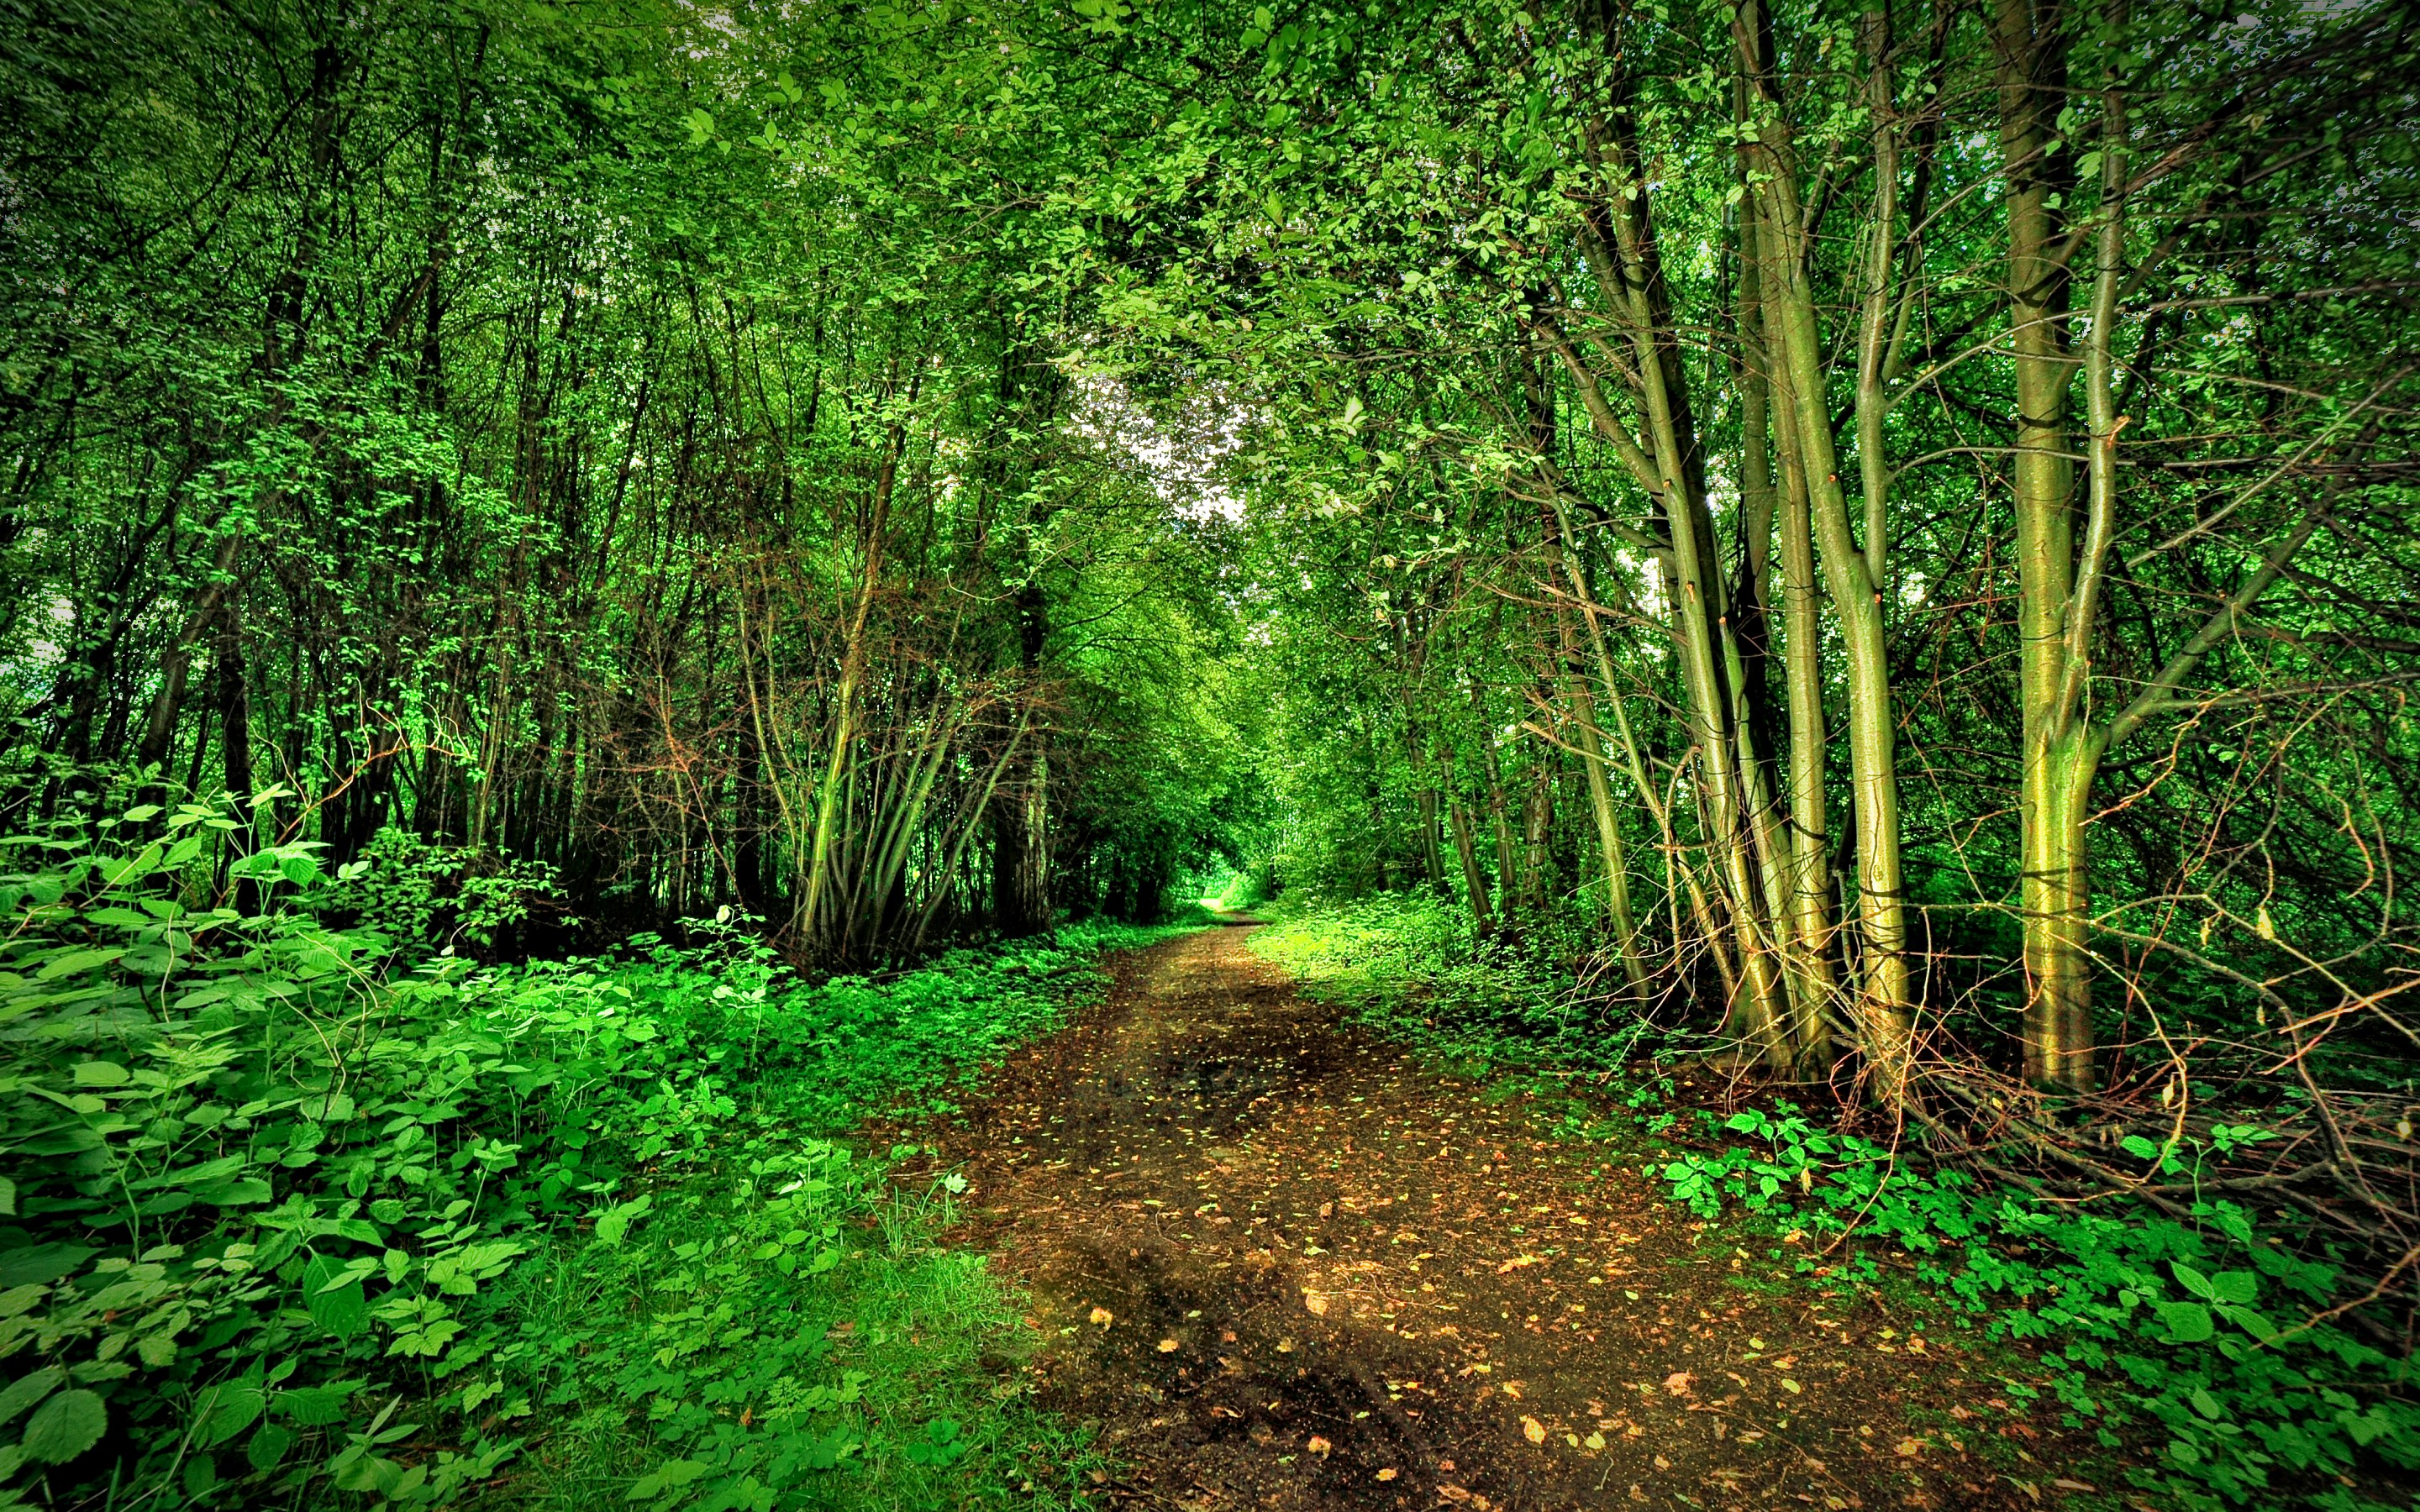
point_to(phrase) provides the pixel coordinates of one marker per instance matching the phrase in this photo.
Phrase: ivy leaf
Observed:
(65, 1426)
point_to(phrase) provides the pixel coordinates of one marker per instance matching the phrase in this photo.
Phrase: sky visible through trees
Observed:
(1866, 542)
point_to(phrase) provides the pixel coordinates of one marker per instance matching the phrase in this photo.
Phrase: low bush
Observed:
(282, 1226)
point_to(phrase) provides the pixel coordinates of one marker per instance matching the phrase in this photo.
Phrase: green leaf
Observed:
(2188, 1322)
(65, 1426)
(268, 1446)
(75, 961)
(231, 1410)
(2138, 1146)
(341, 1309)
(39, 1264)
(26, 1389)
(8, 1198)
(2206, 1405)
(665, 1476)
(613, 1225)
(102, 1074)
(315, 1406)
(2237, 1286)
(2192, 1280)
(236, 1194)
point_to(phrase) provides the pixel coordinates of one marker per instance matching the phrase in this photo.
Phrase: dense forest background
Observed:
(1871, 538)
(423, 414)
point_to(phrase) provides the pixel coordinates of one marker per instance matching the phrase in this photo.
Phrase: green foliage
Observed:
(1409, 964)
(2218, 1335)
(413, 891)
(280, 1224)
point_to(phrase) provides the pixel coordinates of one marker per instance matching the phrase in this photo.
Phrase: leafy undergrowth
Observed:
(2210, 1343)
(290, 1222)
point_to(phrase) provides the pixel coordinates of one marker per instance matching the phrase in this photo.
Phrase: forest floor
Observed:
(1283, 1263)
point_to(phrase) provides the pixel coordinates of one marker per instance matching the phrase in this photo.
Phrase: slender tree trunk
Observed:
(1885, 1000)
(1020, 834)
(2030, 54)
(1499, 818)
(1618, 241)
(1589, 741)
(823, 885)
(1807, 911)
(235, 743)
(1474, 877)
(1537, 822)
(1697, 611)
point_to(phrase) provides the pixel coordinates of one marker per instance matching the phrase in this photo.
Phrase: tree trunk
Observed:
(1807, 930)
(1474, 877)
(2030, 55)
(1886, 997)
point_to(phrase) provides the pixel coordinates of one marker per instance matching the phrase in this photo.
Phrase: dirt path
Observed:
(1283, 1266)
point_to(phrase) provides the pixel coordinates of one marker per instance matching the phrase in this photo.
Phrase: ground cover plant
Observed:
(302, 1215)
(2216, 1343)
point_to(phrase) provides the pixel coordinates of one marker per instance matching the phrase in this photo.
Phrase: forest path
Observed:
(1334, 1279)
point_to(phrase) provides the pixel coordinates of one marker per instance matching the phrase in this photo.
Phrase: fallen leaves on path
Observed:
(1209, 1147)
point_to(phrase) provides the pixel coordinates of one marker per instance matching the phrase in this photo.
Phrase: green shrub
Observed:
(2206, 1328)
(278, 1226)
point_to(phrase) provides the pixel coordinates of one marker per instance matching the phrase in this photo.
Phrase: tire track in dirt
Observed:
(1333, 1279)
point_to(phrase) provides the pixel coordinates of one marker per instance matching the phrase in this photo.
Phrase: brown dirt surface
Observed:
(1282, 1265)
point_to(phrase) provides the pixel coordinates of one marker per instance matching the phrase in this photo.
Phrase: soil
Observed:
(1282, 1264)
